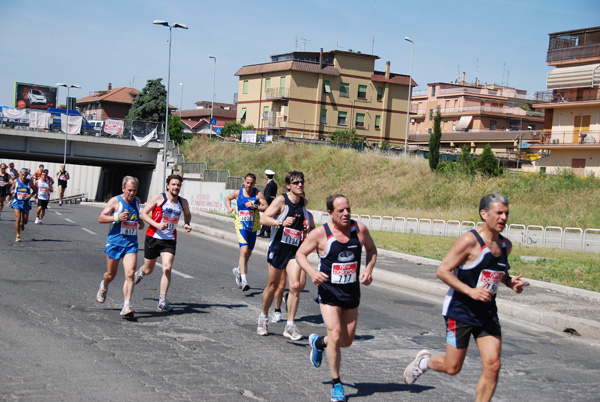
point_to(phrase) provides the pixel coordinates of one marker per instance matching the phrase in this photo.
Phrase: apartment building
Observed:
(312, 94)
(114, 103)
(572, 103)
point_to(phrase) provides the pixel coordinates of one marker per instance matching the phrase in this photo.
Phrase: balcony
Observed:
(576, 53)
(568, 96)
(507, 93)
(475, 110)
(274, 94)
(275, 121)
(583, 138)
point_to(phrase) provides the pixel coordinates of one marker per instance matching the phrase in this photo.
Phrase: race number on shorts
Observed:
(343, 273)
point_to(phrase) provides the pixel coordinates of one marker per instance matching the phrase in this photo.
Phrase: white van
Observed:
(98, 125)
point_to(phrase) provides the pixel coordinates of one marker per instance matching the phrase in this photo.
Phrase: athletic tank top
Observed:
(4, 180)
(21, 190)
(247, 218)
(169, 213)
(43, 187)
(341, 262)
(124, 233)
(486, 270)
(62, 175)
(287, 240)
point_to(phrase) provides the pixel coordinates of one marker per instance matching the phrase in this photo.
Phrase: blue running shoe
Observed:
(337, 393)
(316, 355)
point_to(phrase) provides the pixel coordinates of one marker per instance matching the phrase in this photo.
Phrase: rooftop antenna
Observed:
(304, 40)
(338, 46)
(373, 41)
(476, 70)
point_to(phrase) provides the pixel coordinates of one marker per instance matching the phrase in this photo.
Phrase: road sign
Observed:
(218, 130)
(213, 122)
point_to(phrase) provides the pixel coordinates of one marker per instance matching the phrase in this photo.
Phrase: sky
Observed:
(92, 44)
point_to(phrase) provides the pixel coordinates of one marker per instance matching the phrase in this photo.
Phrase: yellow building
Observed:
(310, 95)
(572, 103)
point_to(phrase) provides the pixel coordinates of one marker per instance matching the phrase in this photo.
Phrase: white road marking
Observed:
(69, 220)
(88, 231)
(174, 271)
(57, 213)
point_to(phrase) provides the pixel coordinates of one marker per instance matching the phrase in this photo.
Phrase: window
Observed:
(282, 87)
(379, 94)
(245, 87)
(242, 115)
(362, 92)
(377, 122)
(326, 87)
(344, 90)
(342, 118)
(430, 114)
(360, 120)
(266, 112)
(268, 84)
(433, 91)
(324, 116)
(493, 125)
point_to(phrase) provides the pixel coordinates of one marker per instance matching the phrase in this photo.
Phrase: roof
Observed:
(379, 76)
(287, 66)
(196, 114)
(116, 95)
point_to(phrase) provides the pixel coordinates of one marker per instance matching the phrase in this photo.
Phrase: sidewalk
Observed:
(553, 306)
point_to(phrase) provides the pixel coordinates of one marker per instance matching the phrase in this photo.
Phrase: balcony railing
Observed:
(515, 111)
(569, 137)
(573, 53)
(277, 93)
(568, 96)
(482, 91)
(275, 120)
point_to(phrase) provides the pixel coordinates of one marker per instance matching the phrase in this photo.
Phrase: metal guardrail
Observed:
(72, 199)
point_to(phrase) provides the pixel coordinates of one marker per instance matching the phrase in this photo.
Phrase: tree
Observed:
(150, 104)
(487, 163)
(347, 137)
(234, 129)
(176, 133)
(434, 141)
(464, 162)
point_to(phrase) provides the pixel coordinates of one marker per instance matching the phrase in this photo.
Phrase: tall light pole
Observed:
(212, 106)
(181, 103)
(409, 94)
(166, 136)
(61, 84)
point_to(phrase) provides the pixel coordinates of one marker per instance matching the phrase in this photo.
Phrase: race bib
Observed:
(43, 190)
(246, 216)
(343, 273)
(171, 222)
(291, 236)
(129, 228)
(3, 183)
(21, 195)
(490, 279)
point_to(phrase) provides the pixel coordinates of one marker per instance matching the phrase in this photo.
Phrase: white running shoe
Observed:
(263, 325)
(291, 331)
(101, 295)
(276, 316)
(37, 220)
(138, 276)
(413, 371)
(245, 287)
(127, 311)
(165, 306)
(238, 277)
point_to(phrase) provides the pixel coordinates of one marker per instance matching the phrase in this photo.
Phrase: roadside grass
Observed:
(572, 268)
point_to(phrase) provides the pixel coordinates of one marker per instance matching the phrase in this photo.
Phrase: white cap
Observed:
(269, 172)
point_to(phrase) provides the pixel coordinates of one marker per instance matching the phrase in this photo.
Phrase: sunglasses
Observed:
(298, 182)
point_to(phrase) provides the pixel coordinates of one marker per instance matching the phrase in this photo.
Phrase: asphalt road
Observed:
(58, 343)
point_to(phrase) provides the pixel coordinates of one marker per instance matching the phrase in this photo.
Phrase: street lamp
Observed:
(166, 136)
(212, 106)
(181, 103)
(409, 94)
(61, 84)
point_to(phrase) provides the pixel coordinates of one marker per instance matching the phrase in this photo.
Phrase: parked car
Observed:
(55, 125)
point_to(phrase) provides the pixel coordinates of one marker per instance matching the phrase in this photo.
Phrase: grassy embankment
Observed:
(394, 186)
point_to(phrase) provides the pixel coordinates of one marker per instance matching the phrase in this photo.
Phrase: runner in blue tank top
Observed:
(249, 202)
(473, 268)
(339, 244)
(21, 191)
(123, 214)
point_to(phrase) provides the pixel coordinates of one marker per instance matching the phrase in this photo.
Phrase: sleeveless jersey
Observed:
(247, 218)
(287, 240)
(169, 213)
(341, 262)
(124, 233)
(4, 184)
(43, 187)
(62, 175)
(487, 271)
(19, 201)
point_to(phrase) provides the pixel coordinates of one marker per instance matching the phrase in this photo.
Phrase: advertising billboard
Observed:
(34, 96)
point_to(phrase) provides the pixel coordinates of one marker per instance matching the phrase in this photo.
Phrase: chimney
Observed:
(109, 86)
(387, 70)
(321, 59)
(463, 80)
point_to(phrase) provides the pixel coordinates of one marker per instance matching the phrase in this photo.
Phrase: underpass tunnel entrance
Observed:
(111, 179)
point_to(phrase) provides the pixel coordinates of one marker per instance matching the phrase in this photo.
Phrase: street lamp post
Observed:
(166, 136)
(409, 94)
(181, 103)
(212, 106)
(60, 84)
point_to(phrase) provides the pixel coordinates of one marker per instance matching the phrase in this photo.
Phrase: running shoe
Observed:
(59, 203)
(291, 331)
(316, 355)
(165, 306)
(37, 220)
(18, 238)
(40, 222)
(238, 277)
(276, 316)
(101, 295)
(263, 325)
(127, 312)
(138, 276)
(413, 371)
(245, 286)
(337, 393)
